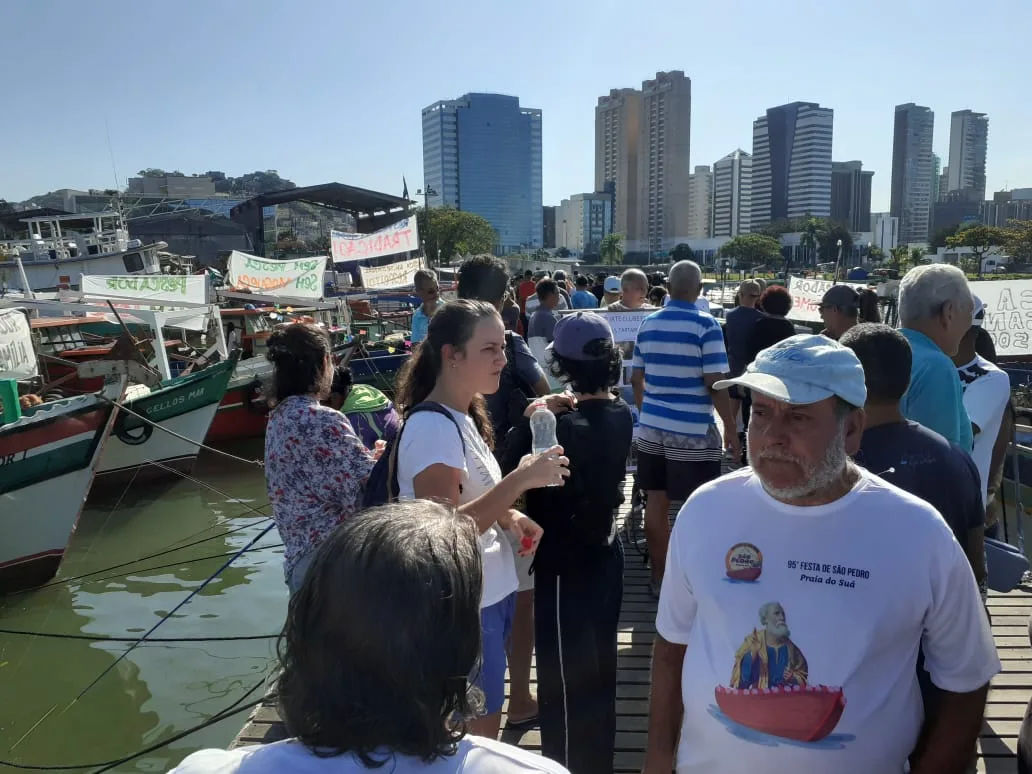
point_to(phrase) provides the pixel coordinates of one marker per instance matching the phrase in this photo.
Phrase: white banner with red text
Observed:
(807, 294)
(398, 237)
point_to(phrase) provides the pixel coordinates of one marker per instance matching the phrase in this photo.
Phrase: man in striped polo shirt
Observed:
(678, 356)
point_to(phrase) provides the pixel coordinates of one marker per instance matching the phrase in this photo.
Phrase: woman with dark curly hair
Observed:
(374, 655)
(579, 565)
(315, 465)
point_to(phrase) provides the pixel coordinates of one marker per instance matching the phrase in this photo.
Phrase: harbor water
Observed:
(163, 688)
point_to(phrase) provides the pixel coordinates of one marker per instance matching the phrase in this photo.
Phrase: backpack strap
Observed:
(392, 460)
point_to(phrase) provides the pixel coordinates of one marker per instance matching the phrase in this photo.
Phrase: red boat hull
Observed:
(805, 714)
(238, 417)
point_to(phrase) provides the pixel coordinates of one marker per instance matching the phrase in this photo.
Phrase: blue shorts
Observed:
(495, 625)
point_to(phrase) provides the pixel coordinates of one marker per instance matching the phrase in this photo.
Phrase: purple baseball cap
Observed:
(574, 331)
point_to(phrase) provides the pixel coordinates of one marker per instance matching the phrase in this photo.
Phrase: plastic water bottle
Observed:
(542, 427)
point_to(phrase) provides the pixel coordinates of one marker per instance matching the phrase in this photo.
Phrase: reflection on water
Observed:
(162, 688)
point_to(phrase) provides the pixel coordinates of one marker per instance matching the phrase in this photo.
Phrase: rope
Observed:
(198, 444)
(91, 638)
(146, 634)
(233, 709)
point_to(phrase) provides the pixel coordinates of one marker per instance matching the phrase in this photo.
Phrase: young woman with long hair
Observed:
(449, 458)
(315, 465)
(373, 655)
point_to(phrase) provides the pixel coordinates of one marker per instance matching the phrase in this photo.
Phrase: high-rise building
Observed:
(583, 221)
(548, 226)
(663, 158)
(936, 176)
(617, 129)
(851, 195)
(482, 154)
(700, 203)
(969, 141)
(791, 175)
(885, 232)
(732, 194)
(913, 166)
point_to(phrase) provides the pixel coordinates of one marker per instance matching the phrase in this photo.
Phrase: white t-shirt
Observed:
(859, 583)
(475, 755)
(986, 392)
(428, 439)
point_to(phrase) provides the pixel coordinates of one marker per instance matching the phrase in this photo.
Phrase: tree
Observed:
(875, 254)
(781, 226)
(1018, 240)
(942, 234)
(682, 252)
(748, 250)
(917, 255)
(983, 240)
(812, 234)
(451, 233)
(899, 258)
(611, 249)
(563, 252)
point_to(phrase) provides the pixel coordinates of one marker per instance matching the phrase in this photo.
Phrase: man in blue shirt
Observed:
(935, 307)
(678, 356)
(582, 297)
(429, 292)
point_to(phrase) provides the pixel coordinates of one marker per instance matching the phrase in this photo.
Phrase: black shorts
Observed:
(677, 471)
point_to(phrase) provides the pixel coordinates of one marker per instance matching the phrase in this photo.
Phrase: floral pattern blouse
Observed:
(315, 471)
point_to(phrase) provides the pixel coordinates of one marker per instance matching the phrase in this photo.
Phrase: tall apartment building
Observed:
(969, 141)
(700, 203)
(642, 144)
(851, 195)
(482, 154)
(617, 129)
(885, 232)
(548, 226)
(913, 167)
(936, 176)
(791, 175)
(732, 194)
(663, 158)
(583, 221)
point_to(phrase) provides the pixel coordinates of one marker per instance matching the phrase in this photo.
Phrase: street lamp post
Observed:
(838, 260)
(427, 191)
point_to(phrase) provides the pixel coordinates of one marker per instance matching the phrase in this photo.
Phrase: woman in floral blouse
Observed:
(315, 464)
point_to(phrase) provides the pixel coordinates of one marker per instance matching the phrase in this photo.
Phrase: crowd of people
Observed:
(873, 470)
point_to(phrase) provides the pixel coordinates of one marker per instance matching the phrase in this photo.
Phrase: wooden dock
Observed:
(1010, 693)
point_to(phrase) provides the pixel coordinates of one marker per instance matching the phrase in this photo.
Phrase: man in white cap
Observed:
(986, 394)
(864, 573)
(611, 292)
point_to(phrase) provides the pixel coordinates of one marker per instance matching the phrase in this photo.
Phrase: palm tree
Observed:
(611, 249)
(811, 236)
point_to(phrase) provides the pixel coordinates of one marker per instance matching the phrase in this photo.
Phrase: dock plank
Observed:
(997, 744)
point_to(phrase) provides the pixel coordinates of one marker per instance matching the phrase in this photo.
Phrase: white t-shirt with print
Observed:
(475, 755)
(986, 392)
(848, 591)
(429, 439)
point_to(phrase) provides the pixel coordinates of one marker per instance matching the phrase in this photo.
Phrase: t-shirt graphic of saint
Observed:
(770, 690)
(768, 658)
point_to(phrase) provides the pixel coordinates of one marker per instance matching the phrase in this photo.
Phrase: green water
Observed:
(158, 689)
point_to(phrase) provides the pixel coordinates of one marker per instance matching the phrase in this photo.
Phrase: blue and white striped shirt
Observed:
(675, 347)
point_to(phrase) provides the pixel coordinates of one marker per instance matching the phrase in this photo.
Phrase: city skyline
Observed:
(197, 116)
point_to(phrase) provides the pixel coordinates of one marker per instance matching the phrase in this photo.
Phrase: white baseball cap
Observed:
(805, 369)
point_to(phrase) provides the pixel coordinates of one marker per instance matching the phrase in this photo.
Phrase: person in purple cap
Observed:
(578, 568)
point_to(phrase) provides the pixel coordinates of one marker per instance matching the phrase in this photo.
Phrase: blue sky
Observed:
(325, 90)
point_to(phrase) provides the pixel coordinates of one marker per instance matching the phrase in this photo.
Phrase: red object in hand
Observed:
(527, 543)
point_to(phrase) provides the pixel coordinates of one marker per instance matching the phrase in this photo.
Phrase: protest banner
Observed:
(1008, 314)
(17, 357)
(299, 278)
(807, 294)
(393, 275)
(159, 288)
(397, 238)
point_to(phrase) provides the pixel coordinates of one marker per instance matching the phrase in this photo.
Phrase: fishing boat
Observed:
(160, 428)
(804, 713)
(48, 458)
(61, 248)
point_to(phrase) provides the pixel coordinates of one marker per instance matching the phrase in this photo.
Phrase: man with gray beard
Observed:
(867, 572)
